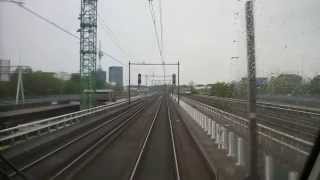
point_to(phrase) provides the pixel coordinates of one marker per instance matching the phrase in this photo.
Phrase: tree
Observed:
(221, 89)
(42, 83)
(193, 90)
(315, 85)
(285, 84)
(72, 86)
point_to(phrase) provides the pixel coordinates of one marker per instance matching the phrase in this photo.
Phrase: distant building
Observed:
(116, 75)
(4, 70)
(101, 75)
(63, 76)
(260, 81)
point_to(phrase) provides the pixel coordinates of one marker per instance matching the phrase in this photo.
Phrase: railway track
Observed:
(155, 145)
(57, 161)
(292, 120)
(157, 158)
(193, 164)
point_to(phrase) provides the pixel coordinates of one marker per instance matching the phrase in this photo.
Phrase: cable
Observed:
(161, 24)
(159, 44)
(47, 20)
(155, 27)
(113, 37)
(161, 36)
(113, 58)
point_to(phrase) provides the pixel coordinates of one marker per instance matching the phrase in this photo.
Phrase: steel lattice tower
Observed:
(88, 51)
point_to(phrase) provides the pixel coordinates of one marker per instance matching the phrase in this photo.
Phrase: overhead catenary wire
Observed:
(113, 37)
(59, 27)
(161, 25)
(158, 39)
(48, 21)
(152, 12)
(113, 58)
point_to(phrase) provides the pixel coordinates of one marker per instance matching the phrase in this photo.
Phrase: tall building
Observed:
(101, 75)
(116, 75)
(4, 70)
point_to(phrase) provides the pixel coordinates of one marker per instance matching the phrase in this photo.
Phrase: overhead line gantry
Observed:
(154, 64)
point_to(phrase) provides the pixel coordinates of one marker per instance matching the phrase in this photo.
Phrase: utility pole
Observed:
(178, 82)
(88, 52)
(20, 89)
(253, 139)
(129, 86)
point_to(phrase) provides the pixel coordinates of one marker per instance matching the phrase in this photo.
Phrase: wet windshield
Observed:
(158, 89)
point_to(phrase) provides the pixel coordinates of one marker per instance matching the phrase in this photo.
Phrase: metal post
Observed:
(225, 138)
(269, 168)
(217, 134)
(231, 148)
(178, 82)
(293, 175)
(240, 152)
(20, 89)
(209, 131)
(213, 128)
(129, 87)
(253, 141)
(18, 85)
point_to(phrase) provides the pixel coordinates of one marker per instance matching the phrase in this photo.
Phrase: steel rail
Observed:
(99, 142)
(303, 110)
(142, 150)
(69, 143)
(46, 124)
(173, 145)
(262, 128)
(307, 128)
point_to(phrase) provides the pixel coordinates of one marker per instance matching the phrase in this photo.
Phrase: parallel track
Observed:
(94, 134)
(292, 120)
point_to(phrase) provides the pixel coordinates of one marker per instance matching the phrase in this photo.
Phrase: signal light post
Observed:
(152, 64)
(173, 82)
(139, 80)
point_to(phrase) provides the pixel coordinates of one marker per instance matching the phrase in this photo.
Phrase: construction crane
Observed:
(88, 51)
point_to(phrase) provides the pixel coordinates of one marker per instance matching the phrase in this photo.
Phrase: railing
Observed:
(23, 131)
(240, 125)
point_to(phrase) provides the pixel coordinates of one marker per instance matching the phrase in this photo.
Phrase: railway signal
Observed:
(174, 79)
(139, 80)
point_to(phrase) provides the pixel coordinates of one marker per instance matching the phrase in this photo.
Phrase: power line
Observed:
(155, 26)
(113, 37)
(159, 43)
(161, 24)
(113, 58)
(47, 20)
(59, 27)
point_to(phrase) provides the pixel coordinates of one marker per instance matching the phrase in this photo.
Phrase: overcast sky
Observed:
(200, 34)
